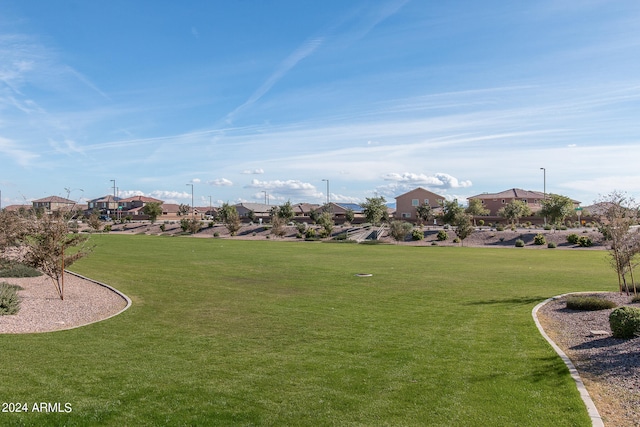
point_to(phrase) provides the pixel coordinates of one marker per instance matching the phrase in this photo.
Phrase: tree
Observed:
(349, 215)
(450, 210)
(398, 230)
(375, 210)
(618, 214)
(183, 210)
(192, 225)
(514, 210)
(153, 210)
(425, 213)
(463, 226)
(49, 247)
(556, 208)
(286, 212)
(326, 222)
(230, 217)
(476, 208)
(94, 221)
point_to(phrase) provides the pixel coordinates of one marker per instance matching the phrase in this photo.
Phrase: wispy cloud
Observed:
(306, 49)
(438, 180)
(220, 182)
(20, 156)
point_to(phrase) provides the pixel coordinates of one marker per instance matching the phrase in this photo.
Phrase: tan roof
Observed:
(144, 199)
(54, 199)
(512, 193)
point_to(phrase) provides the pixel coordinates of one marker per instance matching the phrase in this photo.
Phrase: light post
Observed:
(544, 188)
(210, 207)
(193, 211)
(327, 190)
(266, 201)
(114, 197)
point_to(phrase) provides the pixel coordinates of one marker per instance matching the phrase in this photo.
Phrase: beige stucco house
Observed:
(496, 201)
(407, 203)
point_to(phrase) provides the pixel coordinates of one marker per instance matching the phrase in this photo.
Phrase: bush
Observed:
(499, 227)
(18, 270)
(310, 233)
(442, 235)
(9, 300)
(456, 240)
(216, 234)
(573, 238)
(635, 298)
(417, 234)
(589, 303)
(625, 322)
(551, 245)
(585, 242)
(539, 239)
(519, 243)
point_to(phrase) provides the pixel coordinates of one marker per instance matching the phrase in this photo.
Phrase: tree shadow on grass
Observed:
(509, 301)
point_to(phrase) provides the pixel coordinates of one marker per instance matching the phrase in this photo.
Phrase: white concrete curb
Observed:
(596, 420)
(111, 288)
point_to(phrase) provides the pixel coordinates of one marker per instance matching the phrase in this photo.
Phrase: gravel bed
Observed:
(41, 309)
(609, 367)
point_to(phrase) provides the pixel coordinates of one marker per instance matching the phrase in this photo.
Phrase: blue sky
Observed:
(245, 97)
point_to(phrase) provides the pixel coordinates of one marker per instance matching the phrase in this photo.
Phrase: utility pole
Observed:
(193, 211)
(327, 190)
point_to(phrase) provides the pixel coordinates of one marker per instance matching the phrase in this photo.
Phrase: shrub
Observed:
(499, 227)
(18, 270)
(163, 227)
(310, 233)
(216, 234)
(9, 300)
(519, 243)
(481, 222)
(625, 322)
(635, 298)
(107, 228)
(551, 245)
(417, 234)
(548, 227)
(588, 303)
(442, 235)
(573, 238)
(456, 240)
(585, 242)
(539, 239)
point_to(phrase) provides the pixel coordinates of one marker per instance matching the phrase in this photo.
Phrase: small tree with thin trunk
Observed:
(476, 208)
(514, 210)
(425, 213)
(49, 247)
(230, 217)
(375, 210)
(153, 210)
(618, 214)
(463, 226)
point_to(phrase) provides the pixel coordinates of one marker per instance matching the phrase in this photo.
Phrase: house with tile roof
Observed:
(407, 203)
(496, 201)
(54, 203)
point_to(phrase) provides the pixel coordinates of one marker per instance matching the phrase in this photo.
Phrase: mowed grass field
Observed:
(243, 333)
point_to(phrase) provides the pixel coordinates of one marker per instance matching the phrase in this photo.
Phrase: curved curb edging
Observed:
(596, 420)
(104, 285)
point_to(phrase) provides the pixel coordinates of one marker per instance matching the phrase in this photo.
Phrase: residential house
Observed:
(407, 203)
(496, 201)
(304, 209)
(339, 210)
(105, 205)
(54, 203)
(132, 206)
(260, 210)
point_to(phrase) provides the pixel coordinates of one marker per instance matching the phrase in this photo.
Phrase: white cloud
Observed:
(195, 181)
(220, 182)
(289, 188)
(439, 180)
(257, 171)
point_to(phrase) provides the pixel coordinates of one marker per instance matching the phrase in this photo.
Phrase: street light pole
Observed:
(114, 194)
(327, 190)
(544, 188)
(193, 211)
(265, 197)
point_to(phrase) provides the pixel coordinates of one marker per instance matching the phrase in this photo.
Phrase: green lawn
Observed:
(228, 332)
